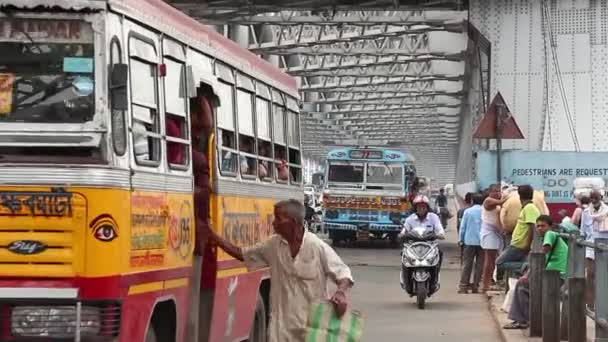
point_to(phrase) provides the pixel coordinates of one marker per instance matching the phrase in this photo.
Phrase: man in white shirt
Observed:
(301, 266)
(423, 218)
(594, 221)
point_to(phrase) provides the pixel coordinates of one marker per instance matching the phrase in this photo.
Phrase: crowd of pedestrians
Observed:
(489, 247)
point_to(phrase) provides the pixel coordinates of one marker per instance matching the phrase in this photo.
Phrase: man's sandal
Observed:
(515, 325)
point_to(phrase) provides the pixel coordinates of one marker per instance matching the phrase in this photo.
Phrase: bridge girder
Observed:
(377, 69)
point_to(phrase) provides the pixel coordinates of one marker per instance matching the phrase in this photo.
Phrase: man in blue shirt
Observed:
(469, 237)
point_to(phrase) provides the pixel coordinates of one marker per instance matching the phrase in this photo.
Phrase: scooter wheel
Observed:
(421, 294)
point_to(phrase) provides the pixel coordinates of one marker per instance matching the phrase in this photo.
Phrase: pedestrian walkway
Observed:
(495, 301)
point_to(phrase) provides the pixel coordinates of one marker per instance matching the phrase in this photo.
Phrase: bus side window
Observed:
(280, 148)
(295, 158)
(226, 138)
(178, 143)
(265, 163)
(144, 102)
(247, 158)
(119, 125)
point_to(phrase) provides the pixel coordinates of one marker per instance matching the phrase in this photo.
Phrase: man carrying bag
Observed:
(324, 325)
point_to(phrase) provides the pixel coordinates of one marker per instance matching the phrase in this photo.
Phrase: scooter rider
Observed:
(424, 218)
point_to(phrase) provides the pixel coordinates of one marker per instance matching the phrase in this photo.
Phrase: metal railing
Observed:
(546, 320)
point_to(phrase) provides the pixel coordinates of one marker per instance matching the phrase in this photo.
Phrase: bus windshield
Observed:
(384, 173)
(46, 71)
(345, 172)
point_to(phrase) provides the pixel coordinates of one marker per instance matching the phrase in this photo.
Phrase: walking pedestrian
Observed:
(470, 239)
(468, 202)
(491, 237)
(441, 203)
(467, 205)
(301, 267)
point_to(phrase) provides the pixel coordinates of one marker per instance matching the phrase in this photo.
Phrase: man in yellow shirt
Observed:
(524, 229)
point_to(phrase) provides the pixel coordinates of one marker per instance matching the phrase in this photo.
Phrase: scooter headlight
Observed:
(409, 256)
(421, 250)
(434, 260)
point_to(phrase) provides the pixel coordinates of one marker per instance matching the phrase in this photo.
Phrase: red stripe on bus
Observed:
(229, 264)
(116, 286)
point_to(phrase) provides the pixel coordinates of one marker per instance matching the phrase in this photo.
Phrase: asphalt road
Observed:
(391, 315)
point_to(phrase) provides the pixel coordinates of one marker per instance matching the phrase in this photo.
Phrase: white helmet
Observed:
(421, 199)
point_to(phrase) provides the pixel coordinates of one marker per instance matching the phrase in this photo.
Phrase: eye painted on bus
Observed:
(104, 228)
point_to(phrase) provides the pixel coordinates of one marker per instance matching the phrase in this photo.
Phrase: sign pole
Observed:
(499, 131)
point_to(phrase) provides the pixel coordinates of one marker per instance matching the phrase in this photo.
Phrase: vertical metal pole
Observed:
(78, 321)
(577, 326)
(498, 160)
(601, 289)
(195, 295)
(565, 311)
(576, 257)
(550, 311)
(537, 264)
(499, 127)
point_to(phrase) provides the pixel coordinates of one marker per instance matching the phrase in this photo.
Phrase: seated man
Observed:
(556, 256)
(523, 233)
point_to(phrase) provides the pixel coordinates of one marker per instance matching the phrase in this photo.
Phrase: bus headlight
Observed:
(332, 214)
(54, 321)
(395, 217)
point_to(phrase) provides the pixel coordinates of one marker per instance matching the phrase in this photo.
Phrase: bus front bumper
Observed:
(55, 314)
(371, 227)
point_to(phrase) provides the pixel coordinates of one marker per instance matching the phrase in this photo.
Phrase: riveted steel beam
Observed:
(288, 18)
(367, 82)
(393, 101)
(340, 44)
(420, 65)
(245, 12)
(391, 128)
(430, 118)
(372, 71)
(401, 129)
(303, 36)
(382, 109)
(396, 127)
(352, 51)
(413, 97)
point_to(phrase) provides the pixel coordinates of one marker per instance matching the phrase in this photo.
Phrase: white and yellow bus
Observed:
(97, 179)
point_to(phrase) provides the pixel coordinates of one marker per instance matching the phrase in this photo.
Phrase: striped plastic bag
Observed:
(325, 326)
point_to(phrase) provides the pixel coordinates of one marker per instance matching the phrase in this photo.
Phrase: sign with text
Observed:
(552, 172)
(45, 31)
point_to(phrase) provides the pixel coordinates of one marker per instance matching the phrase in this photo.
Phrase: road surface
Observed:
(391, 315)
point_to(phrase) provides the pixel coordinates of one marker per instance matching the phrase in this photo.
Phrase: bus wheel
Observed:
(258, 330)
(151, 334)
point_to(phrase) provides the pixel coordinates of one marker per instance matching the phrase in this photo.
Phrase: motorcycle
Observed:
(420, 263)
(313, 224)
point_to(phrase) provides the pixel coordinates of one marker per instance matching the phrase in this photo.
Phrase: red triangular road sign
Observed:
(487, 127)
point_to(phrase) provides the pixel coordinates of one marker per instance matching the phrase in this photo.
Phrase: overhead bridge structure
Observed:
(419, 74)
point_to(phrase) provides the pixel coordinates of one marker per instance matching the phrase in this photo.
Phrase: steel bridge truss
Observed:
(391, 70)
